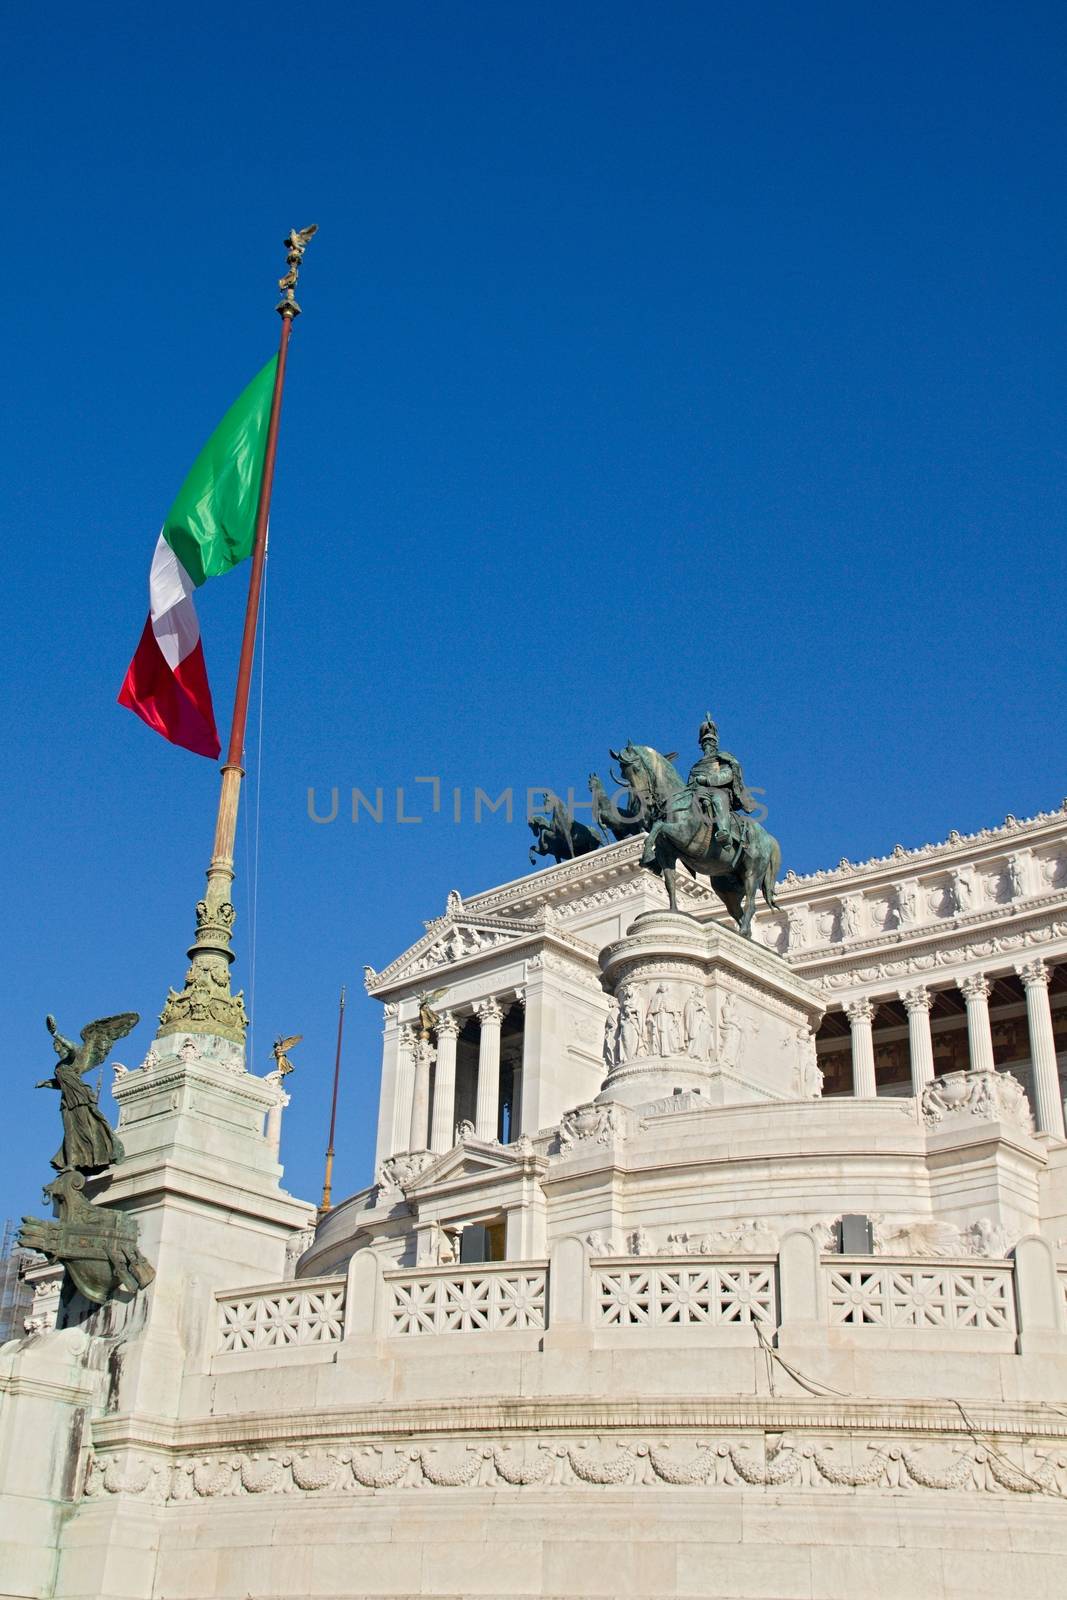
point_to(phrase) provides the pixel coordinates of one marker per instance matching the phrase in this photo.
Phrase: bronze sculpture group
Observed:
(702, 821)
(96, 1245)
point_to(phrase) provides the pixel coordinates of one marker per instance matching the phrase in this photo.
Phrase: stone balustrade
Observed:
(491, 1298)
(669, 1292)
(279, 1316)
(896, 1293)
(800, 1294)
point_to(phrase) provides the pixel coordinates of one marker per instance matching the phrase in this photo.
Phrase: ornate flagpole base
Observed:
(205, 1004)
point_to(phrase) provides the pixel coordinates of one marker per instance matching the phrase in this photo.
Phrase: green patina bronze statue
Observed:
(702, 823)
(622, 822)
(717, 783)
(561, 836)
(96, 1246)
(88, 1145)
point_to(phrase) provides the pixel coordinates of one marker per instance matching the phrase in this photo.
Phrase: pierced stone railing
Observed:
(911, 1298)
(309, 1312)
(674, 1292)
(504, 1296)
(886, 1293)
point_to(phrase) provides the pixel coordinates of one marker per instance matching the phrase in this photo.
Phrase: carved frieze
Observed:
(990, 1096)
(396, 1172)
(778, 1459)
(926, 1237)
(600, 1124)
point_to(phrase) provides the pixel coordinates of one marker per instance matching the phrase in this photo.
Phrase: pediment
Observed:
(474, 1158)
(461, 936)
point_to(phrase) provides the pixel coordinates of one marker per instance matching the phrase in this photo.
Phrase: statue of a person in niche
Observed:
(611, 1033)
(731, 1036)
(662, 1023)
(698, 1027)
(89, 1145)
(631, 1030)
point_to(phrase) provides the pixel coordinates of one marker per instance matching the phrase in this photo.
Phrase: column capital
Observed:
(1034, 974)
(917, 999)
(861, 1010)
(489, 1011)
(448, 1025)
(407, 1036)
(974, 987)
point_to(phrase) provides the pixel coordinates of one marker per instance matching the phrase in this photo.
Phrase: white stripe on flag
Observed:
(170, 596)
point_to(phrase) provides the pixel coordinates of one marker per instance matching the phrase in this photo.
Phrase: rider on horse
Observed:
(717, 785)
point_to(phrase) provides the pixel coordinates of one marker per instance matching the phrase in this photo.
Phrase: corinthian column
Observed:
(917, 1004)
(860, 1015)
(443, 1127)
(490, 1015)
(1048, 1102)
(975, 991)
(405, 1079)
(420, 1096)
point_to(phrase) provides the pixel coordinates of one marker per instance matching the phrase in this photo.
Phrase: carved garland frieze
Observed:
(1035, 1468)
(950, 954)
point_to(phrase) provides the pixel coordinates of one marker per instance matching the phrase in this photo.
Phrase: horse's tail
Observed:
(771, 873)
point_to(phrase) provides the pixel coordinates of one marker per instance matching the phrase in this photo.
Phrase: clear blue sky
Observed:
(654, 357)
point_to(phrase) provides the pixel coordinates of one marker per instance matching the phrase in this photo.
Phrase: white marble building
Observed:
(691, 1267)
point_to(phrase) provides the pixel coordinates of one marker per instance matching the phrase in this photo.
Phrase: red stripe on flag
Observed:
(176, 703)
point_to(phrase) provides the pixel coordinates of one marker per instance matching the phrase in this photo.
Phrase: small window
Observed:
(483, 1241)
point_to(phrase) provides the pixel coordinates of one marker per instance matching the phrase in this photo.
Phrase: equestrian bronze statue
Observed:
(702, 821)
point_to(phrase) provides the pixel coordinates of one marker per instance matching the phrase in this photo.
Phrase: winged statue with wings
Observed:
(89, 1144)
(282, 1065)
(428, 1018)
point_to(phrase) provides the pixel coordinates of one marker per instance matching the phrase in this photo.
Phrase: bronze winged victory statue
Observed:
(88, 1145)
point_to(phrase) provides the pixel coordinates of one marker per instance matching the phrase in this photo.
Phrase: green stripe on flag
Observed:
(211, 524)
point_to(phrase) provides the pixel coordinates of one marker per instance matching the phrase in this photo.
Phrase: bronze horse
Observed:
(620, 821)
(682, 832)
(561, 836)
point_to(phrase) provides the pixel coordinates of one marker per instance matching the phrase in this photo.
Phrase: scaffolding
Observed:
(16, 1295)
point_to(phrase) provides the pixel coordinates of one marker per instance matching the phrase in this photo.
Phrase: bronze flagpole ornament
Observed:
(205, 1004)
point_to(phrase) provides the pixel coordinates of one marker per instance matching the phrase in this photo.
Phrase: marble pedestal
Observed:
(702, 1010)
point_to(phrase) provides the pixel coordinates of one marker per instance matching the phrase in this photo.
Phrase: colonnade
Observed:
(1048, 1102)
(432, 1126)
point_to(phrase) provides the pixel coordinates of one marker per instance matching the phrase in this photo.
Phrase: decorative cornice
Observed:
(520, 1414)
(598, 869)
(1011, 830)
(892, 957)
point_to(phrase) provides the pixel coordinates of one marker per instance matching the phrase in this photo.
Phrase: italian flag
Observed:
(209, 529)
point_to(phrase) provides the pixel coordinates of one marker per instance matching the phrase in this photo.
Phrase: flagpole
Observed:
(205, 1004)
(327, 1182)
